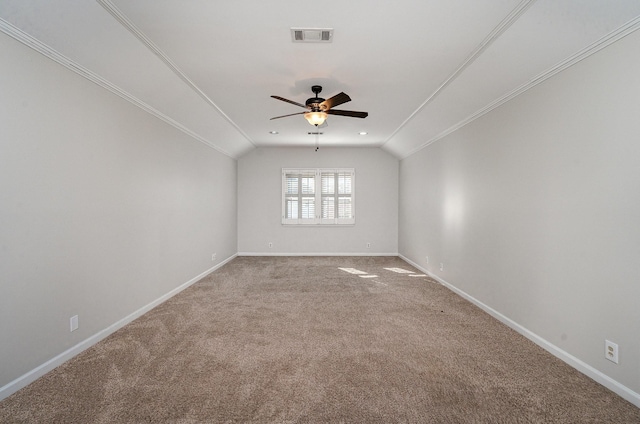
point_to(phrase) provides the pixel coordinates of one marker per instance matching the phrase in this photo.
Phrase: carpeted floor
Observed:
(300, 340)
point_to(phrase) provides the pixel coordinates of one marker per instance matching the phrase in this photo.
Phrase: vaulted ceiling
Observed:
(421, 68)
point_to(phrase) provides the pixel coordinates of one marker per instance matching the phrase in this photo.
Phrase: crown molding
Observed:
(130, 26)
(26, 39)
(595, 47)
(480, 48)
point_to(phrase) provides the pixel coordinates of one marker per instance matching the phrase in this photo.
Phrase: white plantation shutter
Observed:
(345, 191)
(337, 191)
(292, 201)
(328, 196)
(318, 196)
(299, 188)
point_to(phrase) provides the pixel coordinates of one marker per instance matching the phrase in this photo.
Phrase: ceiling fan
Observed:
(318, 108)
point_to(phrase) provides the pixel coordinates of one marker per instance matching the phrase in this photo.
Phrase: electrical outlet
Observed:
(213, 256)
(368, 245)
(427, 258)
(441, 266)
(73, 323)
(611, 351)
(270, 245)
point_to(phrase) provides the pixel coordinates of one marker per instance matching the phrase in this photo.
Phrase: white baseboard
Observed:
(34, 374)
(613, 385)
(596, 375)
(314, 254)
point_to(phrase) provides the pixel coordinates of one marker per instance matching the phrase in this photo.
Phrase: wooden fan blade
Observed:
(350, 113)
(289, 101)
(336, 100)
(284, 116)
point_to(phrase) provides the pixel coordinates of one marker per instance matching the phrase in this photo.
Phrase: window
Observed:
(318, 196)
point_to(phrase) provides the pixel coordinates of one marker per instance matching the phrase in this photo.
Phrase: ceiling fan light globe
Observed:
(315, 118)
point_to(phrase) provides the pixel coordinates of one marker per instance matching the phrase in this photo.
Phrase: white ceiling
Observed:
(420, 68)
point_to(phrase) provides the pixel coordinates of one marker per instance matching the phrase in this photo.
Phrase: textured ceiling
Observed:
(420, 68)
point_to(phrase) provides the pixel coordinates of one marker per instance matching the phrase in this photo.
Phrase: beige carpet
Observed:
(300, 340)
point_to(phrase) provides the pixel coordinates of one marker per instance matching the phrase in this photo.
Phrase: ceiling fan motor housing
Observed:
(314, 102)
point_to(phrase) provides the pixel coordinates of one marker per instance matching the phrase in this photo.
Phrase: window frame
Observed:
(317, 219)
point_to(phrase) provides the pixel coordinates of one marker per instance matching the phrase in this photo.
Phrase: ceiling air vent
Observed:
(312, 35)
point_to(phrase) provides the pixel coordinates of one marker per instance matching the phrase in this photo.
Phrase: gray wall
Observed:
(104, 209)
(534, 210)
(260, 208)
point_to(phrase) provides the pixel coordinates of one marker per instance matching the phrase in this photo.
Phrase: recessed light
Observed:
(363, 133)
(274, 132)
